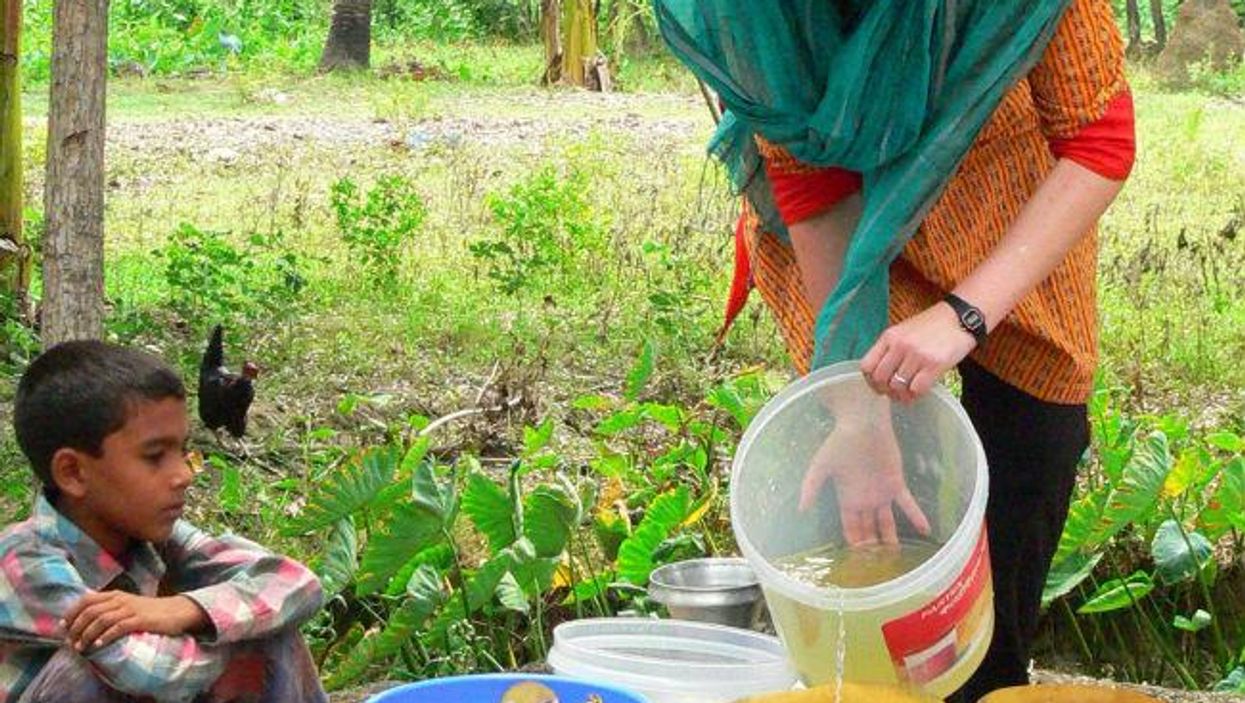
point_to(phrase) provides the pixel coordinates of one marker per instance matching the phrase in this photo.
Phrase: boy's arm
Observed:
(39, 589)
(246, 591)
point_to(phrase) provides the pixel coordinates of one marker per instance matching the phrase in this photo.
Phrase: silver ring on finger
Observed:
(900, 379)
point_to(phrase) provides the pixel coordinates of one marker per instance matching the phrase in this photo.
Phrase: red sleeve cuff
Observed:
(804, 193)
(1106, 146)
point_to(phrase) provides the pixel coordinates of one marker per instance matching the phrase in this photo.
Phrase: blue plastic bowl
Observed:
(490, 687)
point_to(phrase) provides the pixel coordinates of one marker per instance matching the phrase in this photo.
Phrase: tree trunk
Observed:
(73, 248)
(550, 13)
(579, 43)
(1160, 25)
(14, 254)
(1134, 27)
(350, 36)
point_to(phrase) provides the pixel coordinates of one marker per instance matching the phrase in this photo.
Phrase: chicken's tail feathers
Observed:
(214, 356)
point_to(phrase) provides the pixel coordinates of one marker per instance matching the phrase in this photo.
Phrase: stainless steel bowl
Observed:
(722, 591)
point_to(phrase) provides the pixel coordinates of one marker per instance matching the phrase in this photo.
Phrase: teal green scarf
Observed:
(895, 89)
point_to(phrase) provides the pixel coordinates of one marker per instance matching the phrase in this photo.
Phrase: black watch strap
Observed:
(970, 317)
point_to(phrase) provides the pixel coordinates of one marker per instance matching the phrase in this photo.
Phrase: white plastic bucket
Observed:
(671, 661)
(927, 628)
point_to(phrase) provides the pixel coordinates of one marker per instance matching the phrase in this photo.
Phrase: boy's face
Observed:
(136, 488)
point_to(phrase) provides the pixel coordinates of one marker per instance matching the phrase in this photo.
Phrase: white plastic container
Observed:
(671, 661)
(927, 628)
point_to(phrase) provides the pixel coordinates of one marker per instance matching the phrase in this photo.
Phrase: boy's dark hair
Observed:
(77, 393)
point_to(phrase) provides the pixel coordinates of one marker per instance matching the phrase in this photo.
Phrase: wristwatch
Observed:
(971, 319)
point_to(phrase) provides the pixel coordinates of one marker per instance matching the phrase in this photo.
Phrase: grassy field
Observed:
(507, 246)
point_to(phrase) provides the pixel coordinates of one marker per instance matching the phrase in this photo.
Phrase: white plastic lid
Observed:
(671, 656)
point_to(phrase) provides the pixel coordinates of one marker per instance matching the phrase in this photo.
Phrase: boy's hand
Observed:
(100, 618)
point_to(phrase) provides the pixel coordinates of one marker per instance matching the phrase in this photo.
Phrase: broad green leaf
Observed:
(1200, 621)
(1184, 474)
(593, 402)
(610, 465)
(1226, 508)
(412, 529)
(1078, 530)
(341, 558)
(639, 375)
(433, 494)
(440, 556)
(664, 515)
(491, 511)
(549, 516)
(537, 439)
(1067, 574)
(586, 590)
(511, 595)
(610, 530)
(1179, 555)
(535, 574)
(415, 455)
(669, 416)
(725, 397)
(1118, 594)
(620, 421)
(1227, 441)
(347, 490)
(1134, 496)
(402, 624)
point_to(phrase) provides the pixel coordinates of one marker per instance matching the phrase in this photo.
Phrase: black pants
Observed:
(1033, 448)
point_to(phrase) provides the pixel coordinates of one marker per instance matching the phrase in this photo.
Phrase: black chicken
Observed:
(224, 396)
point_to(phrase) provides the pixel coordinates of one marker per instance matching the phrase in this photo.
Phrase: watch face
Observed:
(972, 319)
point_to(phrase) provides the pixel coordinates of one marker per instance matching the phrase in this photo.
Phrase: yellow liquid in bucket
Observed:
(928, 640)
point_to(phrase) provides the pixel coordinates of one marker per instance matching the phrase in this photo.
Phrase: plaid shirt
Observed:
(47, 563)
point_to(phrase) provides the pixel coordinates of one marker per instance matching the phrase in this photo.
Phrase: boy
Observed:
(105, 594)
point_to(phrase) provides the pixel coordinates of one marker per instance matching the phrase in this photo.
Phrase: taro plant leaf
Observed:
(549, 516)
(671, 417)
(438, 497)
(490, 508)
(1186, 472)
(664, 515)
(1078, 530)
(347, 490)
(341, 558)
(1226, 508)
(1118, 594)
(640, 374)
(588, 589)
(537, 439)
(402, 624)
(1133, 497)
(411, 529)
(725, 397)
(621, 421)
(1200, 621)
(415, 455)
(1234, 682)
(593, 402)
(511, 595)
(1067, 574)
(440, 556)
(1179, 555)
(1227, 441)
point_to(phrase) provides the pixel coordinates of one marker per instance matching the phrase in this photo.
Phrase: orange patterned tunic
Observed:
(1047, 346)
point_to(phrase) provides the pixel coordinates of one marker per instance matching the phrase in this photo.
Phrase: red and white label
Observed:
(930, 641)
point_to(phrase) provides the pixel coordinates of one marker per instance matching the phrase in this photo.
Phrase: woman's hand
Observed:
(864, 462)
(910, 357)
